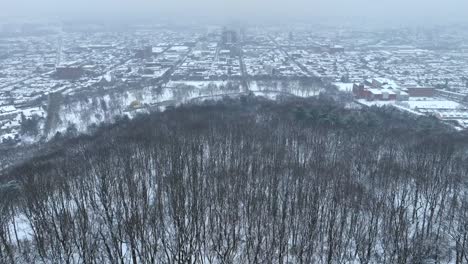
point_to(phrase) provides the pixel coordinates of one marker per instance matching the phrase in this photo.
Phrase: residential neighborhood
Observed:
(68, 77)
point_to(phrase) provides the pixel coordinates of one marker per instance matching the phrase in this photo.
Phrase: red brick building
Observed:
(371, 94)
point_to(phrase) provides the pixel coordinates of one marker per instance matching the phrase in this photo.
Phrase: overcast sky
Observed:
(423, 10)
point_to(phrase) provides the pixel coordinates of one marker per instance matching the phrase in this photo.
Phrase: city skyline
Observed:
(386, 11)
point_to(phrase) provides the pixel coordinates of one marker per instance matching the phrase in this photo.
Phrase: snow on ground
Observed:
(166, 95)
(408, 110)
(375, 103)
(23, 228)
(344, 87)
(269, 95)
(29, 112)
(441, 108)
(197, 84)
(292, 87)
(433, 104)
(8, 136)
(416, 103)
(105, 108)
(254, 86)
(108, 77)
(7, 109)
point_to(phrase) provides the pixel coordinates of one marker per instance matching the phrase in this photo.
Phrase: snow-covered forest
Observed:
(244, 181)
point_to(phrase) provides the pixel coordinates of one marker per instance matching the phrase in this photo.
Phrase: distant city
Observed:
(68, 78)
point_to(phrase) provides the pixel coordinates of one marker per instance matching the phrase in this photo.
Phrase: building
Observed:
(229, 37)
(381, 83)
(359, 91)
(374, 94)
(381, 95)
(458, 97)
(69, 72)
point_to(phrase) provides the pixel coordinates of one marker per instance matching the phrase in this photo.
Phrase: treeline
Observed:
(244, 181)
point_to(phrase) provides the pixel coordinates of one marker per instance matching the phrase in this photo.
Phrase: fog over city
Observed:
(394, 11)
(234, 131)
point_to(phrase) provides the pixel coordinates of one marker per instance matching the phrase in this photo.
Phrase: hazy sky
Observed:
(429, 10)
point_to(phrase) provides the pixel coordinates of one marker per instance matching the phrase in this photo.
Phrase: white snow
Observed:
(344, 87)
(434, 104)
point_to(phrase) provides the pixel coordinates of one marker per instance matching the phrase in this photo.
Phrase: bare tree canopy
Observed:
(244, 181)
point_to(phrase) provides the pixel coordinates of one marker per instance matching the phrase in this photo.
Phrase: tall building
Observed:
(229, 37)
(69, 71)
